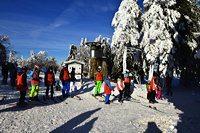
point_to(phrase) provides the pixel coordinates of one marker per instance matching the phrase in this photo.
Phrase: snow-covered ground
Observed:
(179, 113)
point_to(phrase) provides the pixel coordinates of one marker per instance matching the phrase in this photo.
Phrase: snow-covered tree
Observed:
(158, 29)
(187, 44)
(12, 56)
(21, 62)
(105, 45)
(4, 45)
(83, 54)
(126, 34)
(40, 58)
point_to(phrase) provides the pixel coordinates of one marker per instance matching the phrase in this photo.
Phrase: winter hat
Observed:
(38, 66)
(99, 67)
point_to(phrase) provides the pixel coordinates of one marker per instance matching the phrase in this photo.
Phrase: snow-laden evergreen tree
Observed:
(12, 56)
(126, 34)
(187, 43)
(4, 45)
(105, 45)
(80, 53)
(158, 29)
(21, 62)
(40, 58)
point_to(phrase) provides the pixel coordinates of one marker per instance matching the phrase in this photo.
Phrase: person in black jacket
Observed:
(4, 74)
(13, 74)
(73, 80)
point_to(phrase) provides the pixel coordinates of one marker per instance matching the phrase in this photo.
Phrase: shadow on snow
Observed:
(186, 99)
(71, 125)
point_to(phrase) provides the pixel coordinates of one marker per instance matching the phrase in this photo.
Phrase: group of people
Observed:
(9, 69)
(123, 85)
(154, 88)
(49, 81)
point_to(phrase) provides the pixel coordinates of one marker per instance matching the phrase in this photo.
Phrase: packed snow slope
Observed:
(179, 113)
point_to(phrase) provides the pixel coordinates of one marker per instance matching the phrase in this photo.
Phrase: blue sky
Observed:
(52, 25)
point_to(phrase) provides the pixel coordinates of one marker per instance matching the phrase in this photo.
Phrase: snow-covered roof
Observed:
(74, 61)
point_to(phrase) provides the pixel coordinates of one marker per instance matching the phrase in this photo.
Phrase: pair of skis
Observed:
(101, 99)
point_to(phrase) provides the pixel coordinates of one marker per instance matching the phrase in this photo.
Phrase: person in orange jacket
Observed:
(49, 81)
(35, 82)
(153, 89)
(22, 85)
(64, 77)
(98, 81)
(107, 89)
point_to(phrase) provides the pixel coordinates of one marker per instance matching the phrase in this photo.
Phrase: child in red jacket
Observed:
(107, 90)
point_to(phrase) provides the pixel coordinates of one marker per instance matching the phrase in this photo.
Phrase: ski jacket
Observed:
(153, 85)
(107, 86)
(13, 73)
(35, 79)
(126, 78)
(120, 84)
(21, 84)
(49, 78)
(99, 76)
(5, 70)
(64, 74)
(73, 78)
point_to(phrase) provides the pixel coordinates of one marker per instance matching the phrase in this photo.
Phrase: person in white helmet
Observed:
(98, 81)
